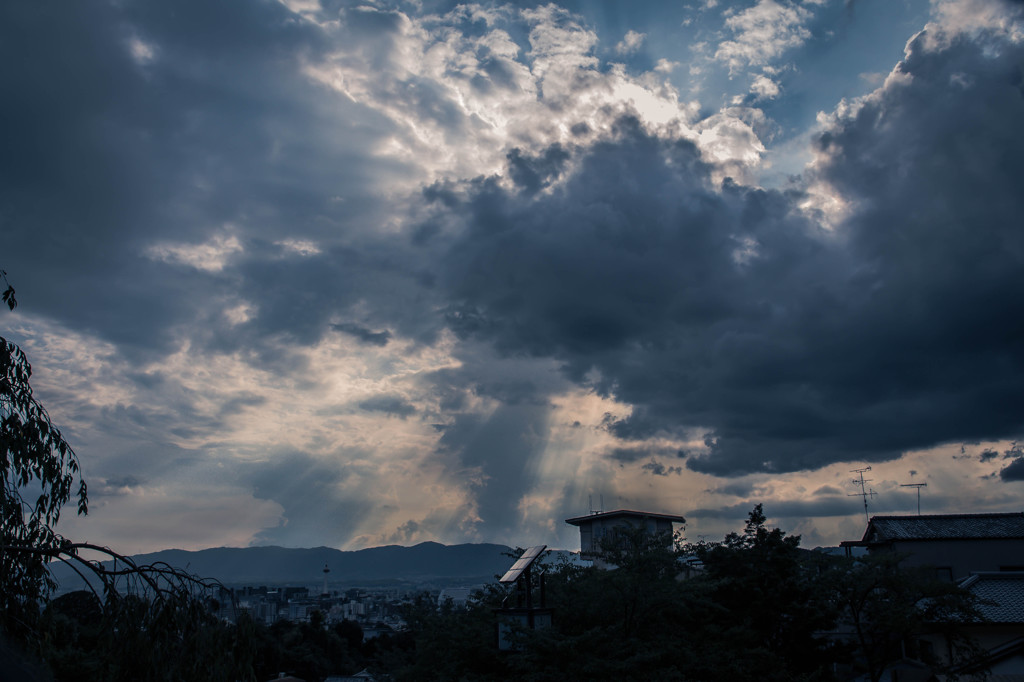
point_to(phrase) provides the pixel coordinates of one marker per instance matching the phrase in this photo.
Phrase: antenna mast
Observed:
(918, 486)
(864, 492)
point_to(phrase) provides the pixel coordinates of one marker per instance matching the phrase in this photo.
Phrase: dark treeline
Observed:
(761, 608)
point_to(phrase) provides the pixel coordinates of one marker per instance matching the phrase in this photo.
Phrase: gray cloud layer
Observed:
(172, 179)
(796, 347)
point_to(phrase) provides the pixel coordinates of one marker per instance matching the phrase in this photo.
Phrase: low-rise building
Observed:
(984, 553)
(955, 544)
(596, 526)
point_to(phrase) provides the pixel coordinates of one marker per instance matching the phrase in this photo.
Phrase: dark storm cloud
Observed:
(825, 506)
(170, 164)
(939, 240)
(591, 267)
(656, 468)
(238, 402)
(500, 447)
(209, 124)
(306, 487)
(135, 457)
(112, 487)
(169, 410)
(511, 382)
(299, 296)
(533, 173)
(405, 532)
(1014, 471)
(794, 346)
(736, 489)
(626, 455)
(365, 335)
(393, 405)
(633, 267)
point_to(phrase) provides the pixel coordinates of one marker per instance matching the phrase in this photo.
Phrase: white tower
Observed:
(324, 592)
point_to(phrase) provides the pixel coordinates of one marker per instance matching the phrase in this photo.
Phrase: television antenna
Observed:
(918, 486)
(864, 493)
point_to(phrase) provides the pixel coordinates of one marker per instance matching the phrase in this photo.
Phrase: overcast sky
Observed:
(326, 273)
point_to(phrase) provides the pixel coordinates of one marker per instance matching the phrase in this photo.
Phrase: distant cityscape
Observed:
(376, 611)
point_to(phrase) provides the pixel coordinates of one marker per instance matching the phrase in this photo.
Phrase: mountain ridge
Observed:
(425, 562)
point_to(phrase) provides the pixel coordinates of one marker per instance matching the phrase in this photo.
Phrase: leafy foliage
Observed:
(761, 608)
(768, 601)
(889, 607)
(37, 463)
(8, 295)
(614, 624)
(310, 651)
(138, 622)
(134, 638)
(451, 643)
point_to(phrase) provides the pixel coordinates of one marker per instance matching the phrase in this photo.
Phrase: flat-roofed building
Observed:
(599, 525)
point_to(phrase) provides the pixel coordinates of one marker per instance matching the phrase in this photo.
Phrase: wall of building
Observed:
(962, 557)
(592, 531)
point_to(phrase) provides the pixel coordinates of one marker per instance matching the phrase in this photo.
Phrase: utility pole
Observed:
(864, 492)
(918, 486)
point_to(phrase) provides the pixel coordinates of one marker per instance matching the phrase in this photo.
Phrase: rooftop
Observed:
(627, 513)
(1004, 592)
(945, 527)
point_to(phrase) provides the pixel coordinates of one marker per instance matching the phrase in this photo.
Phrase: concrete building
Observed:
(597, 526)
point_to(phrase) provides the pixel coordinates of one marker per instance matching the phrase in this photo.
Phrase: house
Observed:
(458, 596)
(984, 553)
(955, 544)
(1001, 634)
(599, 525)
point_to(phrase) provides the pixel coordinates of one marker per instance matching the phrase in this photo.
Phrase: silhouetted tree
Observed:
(452, 643)
(763, 595)
(761, 608)
(888, 608)
(152, 622)
(38, 475)
(625, 623)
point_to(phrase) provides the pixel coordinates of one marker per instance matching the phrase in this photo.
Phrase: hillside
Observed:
(427, 562)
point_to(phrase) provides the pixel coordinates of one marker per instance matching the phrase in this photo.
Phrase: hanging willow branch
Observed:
(152, 621)
(158, 582)
(37, 478)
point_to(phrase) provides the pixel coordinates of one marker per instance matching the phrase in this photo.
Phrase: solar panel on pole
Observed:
(523, 563)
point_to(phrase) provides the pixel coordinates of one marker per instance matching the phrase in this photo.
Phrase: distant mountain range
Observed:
(427, 562)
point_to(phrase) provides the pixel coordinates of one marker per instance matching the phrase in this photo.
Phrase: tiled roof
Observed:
(945, 527)
(1006, 592)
